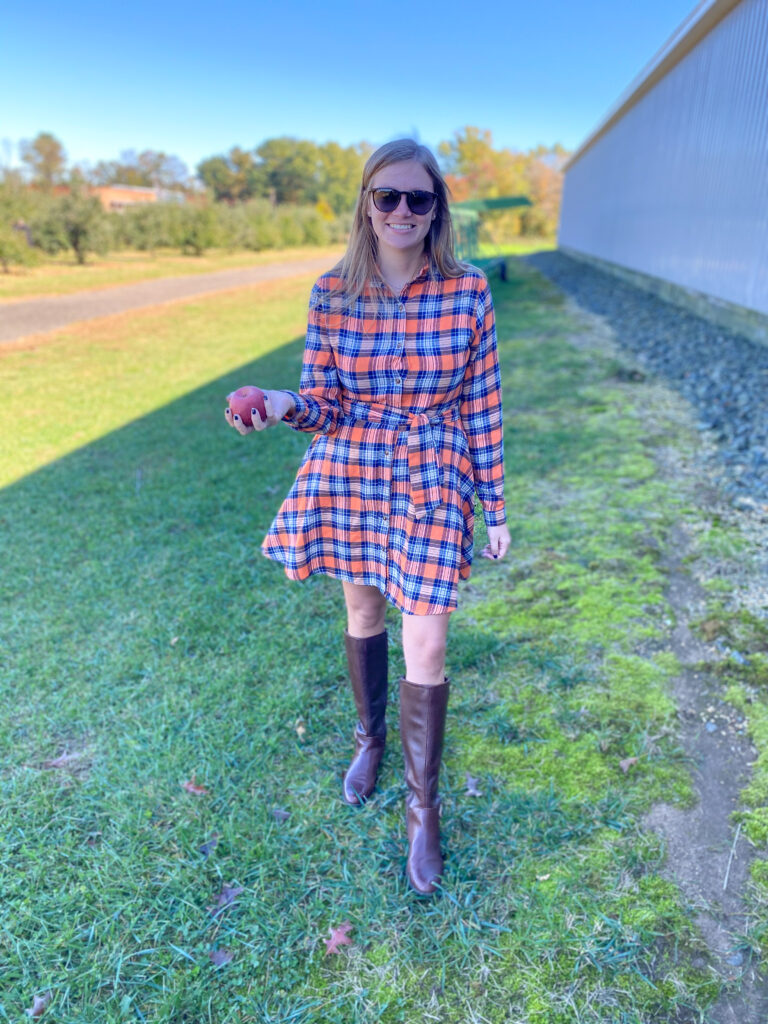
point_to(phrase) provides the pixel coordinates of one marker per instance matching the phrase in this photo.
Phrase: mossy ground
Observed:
(143, 635)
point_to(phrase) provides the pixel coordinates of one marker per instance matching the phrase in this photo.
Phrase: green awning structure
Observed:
(466, 220)
(497, 203)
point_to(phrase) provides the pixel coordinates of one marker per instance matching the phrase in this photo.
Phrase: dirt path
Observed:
(36, 316)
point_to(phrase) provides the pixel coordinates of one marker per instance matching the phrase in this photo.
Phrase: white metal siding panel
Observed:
(678, 188)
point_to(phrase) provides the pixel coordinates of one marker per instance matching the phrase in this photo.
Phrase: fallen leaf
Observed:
(219, 957)
(192, 787)
(280, 814)
(226, 898)
(711, 628)
(472, 789)
(338, 938)
(627, 763)
(70, 759)
(207, 848)
(39, 1004)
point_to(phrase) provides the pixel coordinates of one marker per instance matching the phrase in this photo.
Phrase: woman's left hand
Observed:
(498, 541)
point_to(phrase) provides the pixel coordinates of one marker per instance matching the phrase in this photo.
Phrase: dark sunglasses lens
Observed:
(386, 199)
(420, 202)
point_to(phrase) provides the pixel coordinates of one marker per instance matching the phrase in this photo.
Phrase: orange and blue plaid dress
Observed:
(404, 397)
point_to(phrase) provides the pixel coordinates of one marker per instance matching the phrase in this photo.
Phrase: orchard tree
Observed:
(45, 158)
(83, 222)
(233, 178)
(339, 172)
(476, 170)
(148, 169)
(291, 169)
(15, 249)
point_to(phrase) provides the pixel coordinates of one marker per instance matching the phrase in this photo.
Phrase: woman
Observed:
(400, 384)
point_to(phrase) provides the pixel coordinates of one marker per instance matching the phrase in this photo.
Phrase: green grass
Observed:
(62, 275)
(144, 635)
(518, 247)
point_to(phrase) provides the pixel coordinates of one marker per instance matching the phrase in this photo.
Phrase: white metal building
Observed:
(671, 189)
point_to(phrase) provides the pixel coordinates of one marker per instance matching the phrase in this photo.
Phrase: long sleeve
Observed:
(480, 410)
(317, 401)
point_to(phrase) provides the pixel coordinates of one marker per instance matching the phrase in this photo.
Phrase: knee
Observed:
(429, 652)
(366, 619)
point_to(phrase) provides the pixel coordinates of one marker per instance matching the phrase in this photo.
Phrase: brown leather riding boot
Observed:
(422, 725)
(367, 660)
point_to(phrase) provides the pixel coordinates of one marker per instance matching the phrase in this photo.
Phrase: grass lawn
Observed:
(146, 644)
(62, 275)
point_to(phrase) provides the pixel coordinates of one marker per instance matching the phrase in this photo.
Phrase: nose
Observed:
(403, 207)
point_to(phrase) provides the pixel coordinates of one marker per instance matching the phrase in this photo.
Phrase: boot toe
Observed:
(425, 861)
(354, 791)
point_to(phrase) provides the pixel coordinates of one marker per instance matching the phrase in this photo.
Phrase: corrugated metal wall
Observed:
(678, 187)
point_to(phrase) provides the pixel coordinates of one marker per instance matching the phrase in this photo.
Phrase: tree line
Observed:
(283, 192)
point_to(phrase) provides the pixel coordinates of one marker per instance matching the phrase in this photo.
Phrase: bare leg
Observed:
(366, 609)
(424, 642)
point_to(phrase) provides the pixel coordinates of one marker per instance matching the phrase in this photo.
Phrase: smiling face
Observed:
(401, 230)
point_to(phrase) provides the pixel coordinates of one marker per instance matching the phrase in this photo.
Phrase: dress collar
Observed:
(426, 271)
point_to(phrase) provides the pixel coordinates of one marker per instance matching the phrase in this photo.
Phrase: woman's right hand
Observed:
(277, 404)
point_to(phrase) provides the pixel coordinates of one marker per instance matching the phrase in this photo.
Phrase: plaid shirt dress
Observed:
(403, 394)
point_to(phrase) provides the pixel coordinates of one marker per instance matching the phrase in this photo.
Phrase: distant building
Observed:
(117, 197)
(671, 189)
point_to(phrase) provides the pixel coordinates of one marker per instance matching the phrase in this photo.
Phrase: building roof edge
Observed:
(699, 23)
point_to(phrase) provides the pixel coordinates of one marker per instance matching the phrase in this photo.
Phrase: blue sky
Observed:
(194, 79)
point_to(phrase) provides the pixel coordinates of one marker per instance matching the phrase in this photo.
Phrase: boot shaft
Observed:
(367, 659)
(422, 728)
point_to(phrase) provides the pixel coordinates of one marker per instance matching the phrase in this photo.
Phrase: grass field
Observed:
(146, 644)
(63, 276)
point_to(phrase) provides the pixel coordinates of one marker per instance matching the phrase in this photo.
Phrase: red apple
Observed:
(245, 399)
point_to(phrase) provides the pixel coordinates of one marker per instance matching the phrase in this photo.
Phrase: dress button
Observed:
(398, 380)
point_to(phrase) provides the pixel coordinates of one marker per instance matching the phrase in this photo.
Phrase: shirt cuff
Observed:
(494, 513)
(295, 418)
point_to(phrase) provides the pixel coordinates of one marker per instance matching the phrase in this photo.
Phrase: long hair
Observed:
(358, 264)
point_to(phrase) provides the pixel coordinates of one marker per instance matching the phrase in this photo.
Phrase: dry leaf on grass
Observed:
(72, 760)
(192, 787)
(338, 938)
(226, 898)
(627, 763)
(207, 848)
(472, 789)
(39, 1004)
(219, 957)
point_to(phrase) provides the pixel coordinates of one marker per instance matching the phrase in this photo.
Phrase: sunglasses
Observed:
(388, 199)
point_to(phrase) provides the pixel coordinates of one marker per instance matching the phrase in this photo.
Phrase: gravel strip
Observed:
(36, 316)
(723, 375)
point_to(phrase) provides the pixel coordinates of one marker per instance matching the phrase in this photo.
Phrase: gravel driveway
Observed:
(35, 316)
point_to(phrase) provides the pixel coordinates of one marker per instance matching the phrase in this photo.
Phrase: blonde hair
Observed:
(358, 265)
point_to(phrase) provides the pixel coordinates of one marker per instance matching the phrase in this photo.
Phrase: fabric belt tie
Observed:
(424, 468)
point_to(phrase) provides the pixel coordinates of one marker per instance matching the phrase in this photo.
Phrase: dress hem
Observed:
(299, 575)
